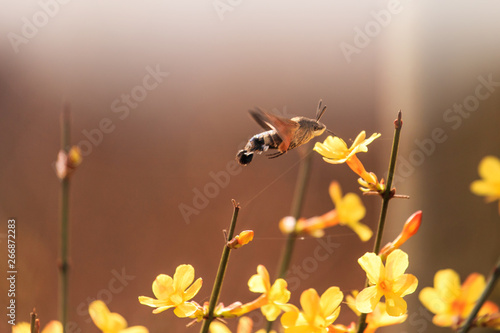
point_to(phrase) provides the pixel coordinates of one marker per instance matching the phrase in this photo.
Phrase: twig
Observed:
(214, 298)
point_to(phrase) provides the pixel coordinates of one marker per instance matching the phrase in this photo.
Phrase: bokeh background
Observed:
(419, 57)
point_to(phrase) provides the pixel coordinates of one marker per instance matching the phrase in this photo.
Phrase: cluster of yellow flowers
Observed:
(318, 312)
(450, 301)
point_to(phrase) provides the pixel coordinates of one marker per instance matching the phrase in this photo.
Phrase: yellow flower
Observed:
(451, 302)
(245, 325)
(175, 293)
(111, 322)
(317, 314)
(334, 150)
(349, 210)
(389, 281)
(52, 327)
(489, 185)
(272, 298)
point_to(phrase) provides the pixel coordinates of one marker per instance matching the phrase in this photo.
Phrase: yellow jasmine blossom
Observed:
(334, 150)
(175, 292)
(489, 185)
(111, 322)
(317, 314)
(349, 210)
(451, 302)
(389, 281)
(273, 296)
(52, 327)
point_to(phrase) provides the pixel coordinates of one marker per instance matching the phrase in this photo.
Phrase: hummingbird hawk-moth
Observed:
(281, 133)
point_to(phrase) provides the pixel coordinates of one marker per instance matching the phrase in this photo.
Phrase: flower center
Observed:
(385, 286)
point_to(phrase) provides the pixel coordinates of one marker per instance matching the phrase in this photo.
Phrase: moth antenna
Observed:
(320, 112)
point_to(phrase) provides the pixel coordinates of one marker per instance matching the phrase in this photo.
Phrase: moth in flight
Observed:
(281, 133)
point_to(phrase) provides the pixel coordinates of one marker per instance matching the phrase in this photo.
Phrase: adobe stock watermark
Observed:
(419, 320)
(122, 106)
(453, 117)
(301, 272)
(115, 286)
(218, 180)
(30, 26)
(363, 36)
(223, 6)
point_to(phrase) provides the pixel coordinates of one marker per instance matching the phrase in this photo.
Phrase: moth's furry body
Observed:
(282, 134)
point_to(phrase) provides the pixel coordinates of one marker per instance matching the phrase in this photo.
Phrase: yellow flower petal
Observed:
(135, 329)
(335, 192)
(259, 283)
(362, 230)
(430, 298)
(483, 188)
(289, 318)
(193, 289)
(271, 311)
(359, 139)
(489, 169)
(350, 208)
(330, 300)
(185, 309)
(472, 288)
(245, 325)
(443, 320)
(53, 326)
(183, 277)
(279, 292)
(372, 265)
(367, 299)
(153, 302)
(396, 264)
(21, 327)
(404, 285)
(104, 319)
(218, 327)
(447, 284)
(309, 300)
(163, 286)
(395, 305)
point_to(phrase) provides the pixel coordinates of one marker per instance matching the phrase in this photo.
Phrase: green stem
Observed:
(214, 298)
(297, 203)
(494, 276)
(64, 224)
(33, 322)
(386, 196)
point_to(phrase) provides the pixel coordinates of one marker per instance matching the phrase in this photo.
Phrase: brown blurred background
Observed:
(421, 58)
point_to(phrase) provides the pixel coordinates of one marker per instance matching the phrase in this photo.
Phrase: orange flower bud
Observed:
(243, 238)
(410, 228)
